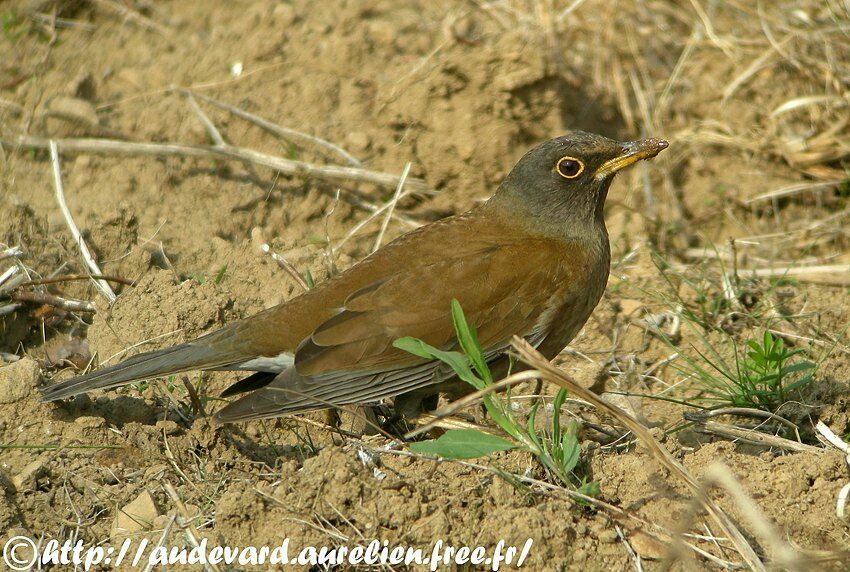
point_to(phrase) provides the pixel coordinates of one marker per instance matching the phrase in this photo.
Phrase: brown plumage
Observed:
(532, 261)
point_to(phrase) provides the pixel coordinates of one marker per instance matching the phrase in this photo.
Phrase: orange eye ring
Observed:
(569, 167)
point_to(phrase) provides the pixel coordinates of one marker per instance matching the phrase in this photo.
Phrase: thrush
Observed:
(532, 261)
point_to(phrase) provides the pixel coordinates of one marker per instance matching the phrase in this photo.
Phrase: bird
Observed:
(531, 261)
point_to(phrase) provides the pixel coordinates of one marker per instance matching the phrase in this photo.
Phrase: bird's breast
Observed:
(574, 298)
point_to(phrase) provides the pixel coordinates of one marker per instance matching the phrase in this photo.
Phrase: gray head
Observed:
(564, 181)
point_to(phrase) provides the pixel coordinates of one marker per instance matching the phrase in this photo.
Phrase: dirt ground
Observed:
(752, 99)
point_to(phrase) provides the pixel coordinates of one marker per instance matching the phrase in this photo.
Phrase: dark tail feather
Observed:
(271, 400)
(250, 383)
(167, 361)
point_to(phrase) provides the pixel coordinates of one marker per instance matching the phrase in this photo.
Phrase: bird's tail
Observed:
(176, 359)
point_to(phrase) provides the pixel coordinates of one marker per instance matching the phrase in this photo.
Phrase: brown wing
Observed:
(504, 290)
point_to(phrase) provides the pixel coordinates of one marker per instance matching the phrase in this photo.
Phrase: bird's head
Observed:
(564, 181)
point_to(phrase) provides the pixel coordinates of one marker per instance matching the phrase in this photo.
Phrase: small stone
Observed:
(168, 426)
(27, 479)
(284, 15)
(160, 522)
(131, 76)
(73, 109)
(631, 307)
(382, 32)
(608, 536)
(258, 239)
(647, 546)
(358, 141)
(135, 517)
(18, 379)
(90, 422)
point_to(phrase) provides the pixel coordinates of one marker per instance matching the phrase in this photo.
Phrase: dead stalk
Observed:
(282, 262)
(66, 304)
(285, 166)
(282, 132)
(102, 285)
(387, 217)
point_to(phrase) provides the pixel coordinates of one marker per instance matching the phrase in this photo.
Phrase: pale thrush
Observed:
(532, 261)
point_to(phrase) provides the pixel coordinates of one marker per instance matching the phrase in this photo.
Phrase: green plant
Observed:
(13, 27)
(557, 449)
(219, 276)
(761, 378)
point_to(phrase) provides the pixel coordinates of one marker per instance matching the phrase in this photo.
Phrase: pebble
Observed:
(18, 379)
(73, 109)
(90, 422)
(135, 517)
(284, 15)
(27, 479)
(358, 141)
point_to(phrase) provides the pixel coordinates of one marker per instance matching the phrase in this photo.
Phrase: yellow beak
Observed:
(633, 151)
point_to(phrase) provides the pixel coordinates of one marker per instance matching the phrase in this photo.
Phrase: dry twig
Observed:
(386, 222)
(282, 132)
(748, 435)
(229, 152)
(102, 285)
(285, 265)
(184, 521)
(67, 304)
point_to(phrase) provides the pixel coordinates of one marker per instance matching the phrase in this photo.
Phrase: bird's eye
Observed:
(569, 167)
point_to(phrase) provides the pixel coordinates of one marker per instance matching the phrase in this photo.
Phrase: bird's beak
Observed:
(633, 151)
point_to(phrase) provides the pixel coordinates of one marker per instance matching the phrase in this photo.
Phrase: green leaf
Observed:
(799, 383)
(462, 444)
(569, 449)
(795, 367)
(498, 412)
(415, 346)
(590, 489)
(455, 360)
(220, 274)
(468, 339)
(560, 398)
(530, 430)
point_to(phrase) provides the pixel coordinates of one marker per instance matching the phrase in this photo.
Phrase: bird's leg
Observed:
(408, 407)
(332, 418)
(364, 419)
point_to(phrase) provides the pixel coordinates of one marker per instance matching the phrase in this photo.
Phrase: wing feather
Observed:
(350, 358)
